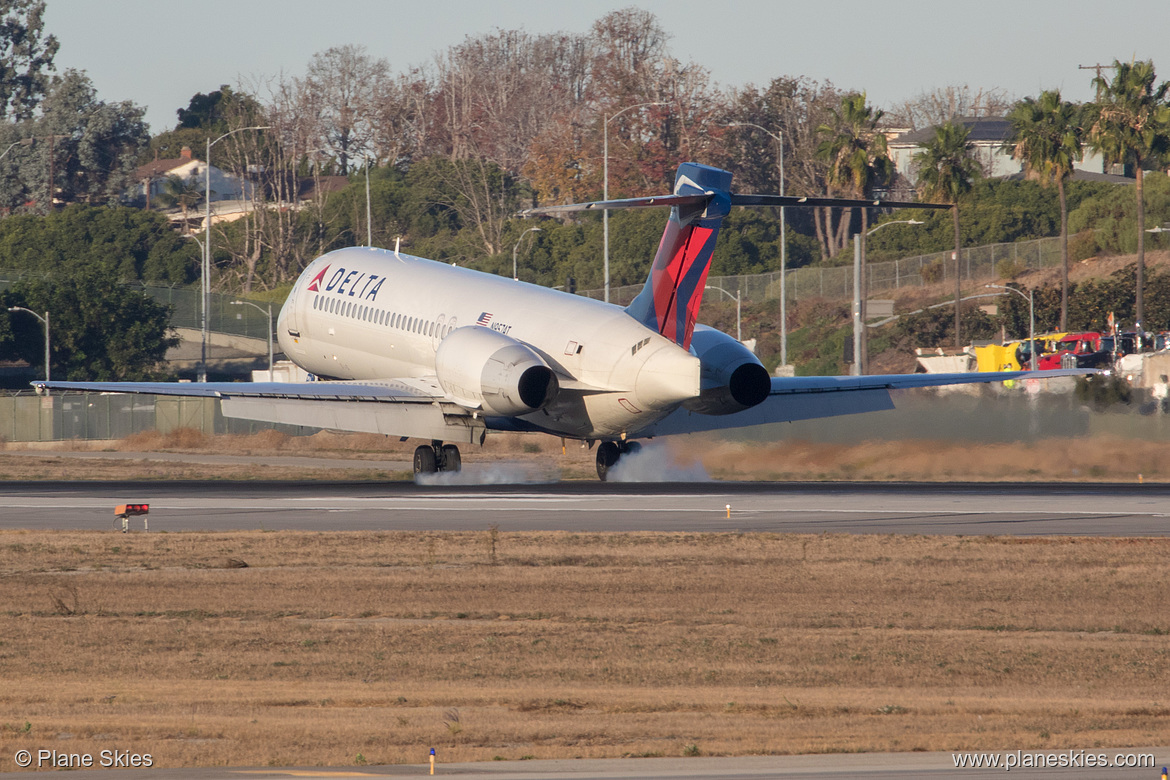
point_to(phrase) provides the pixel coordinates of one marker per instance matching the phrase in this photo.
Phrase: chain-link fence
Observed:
(836, 282)
(222, 315)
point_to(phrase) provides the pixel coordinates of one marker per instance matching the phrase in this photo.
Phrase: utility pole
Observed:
(1098, 67)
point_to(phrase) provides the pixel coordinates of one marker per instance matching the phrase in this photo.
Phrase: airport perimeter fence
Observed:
(835, 282)
(222, 316)
(978, 263)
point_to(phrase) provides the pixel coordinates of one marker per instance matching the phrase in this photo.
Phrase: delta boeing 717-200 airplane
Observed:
(409, 347)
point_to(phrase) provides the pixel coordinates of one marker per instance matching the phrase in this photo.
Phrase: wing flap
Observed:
(430, 420)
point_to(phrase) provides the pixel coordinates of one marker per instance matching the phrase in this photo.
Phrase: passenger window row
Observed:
(356, 310)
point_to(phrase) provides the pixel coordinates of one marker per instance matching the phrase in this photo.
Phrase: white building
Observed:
(987, 135)
(152, 180)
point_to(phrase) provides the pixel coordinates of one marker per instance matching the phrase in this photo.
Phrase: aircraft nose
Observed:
(669, 376)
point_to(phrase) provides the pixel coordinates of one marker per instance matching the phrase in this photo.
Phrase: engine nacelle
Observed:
(733, 379)
(481, 368)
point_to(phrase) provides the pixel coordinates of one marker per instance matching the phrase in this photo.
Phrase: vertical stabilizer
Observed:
(669, 303)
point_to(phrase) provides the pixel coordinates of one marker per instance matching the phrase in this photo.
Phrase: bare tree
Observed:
(241, 157)
(480, 193)
(293, 228)
(343, 87)
(675, 129)
(495, 94)
(791, 107)
(943, 104)
(401, 121)
(628, 42)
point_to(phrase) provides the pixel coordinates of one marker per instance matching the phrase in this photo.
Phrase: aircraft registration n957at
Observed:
(409, 347)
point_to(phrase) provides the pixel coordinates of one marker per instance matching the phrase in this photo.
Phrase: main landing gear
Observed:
(436, 456)
(610, 452)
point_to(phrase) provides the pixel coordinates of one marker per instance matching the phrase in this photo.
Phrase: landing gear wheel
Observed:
(450, 460)
(607, 455)
(424, 460)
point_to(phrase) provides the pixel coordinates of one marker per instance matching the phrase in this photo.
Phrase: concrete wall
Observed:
(94, 416)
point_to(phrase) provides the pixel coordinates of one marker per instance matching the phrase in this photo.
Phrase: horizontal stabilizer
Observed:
(845, 203)
(787, 201)
(624, 203)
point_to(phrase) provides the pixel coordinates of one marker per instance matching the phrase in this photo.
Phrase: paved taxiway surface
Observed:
(970, 509)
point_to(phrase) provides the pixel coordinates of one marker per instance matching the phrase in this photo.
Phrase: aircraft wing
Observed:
(415, 407)
(806, 398)
(390, 390)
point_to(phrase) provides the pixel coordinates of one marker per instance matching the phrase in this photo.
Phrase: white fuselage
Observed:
(372, 314)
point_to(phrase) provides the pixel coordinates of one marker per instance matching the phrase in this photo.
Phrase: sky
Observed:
(159, 53)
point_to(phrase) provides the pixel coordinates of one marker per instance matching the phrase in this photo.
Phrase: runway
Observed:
(1021, 509)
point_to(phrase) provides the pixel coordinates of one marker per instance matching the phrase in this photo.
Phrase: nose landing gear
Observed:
(436, 456)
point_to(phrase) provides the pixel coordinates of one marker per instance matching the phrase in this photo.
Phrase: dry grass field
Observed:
(340, 648)
(372, 457)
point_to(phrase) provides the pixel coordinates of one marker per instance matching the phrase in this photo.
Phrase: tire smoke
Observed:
(657, 463)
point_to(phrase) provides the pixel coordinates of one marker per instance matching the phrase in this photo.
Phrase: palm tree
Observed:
(1047, 137)
(858, 161)
(945, 172)
(1132, 127)
(855, 150)
(184, 194)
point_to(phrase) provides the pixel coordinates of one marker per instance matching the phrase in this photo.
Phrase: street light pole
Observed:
(205, 272)
(21, 142)
(738, 318)
(605, 184)
(269, 313)
(44, 321)
(779, 138)
(369, 213)
(859, 334)
(515, 275)
(1031, 318)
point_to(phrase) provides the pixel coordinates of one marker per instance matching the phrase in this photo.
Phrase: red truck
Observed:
(1085, 350)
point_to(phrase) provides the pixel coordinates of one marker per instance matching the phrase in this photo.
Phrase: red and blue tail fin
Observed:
(669, 303)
